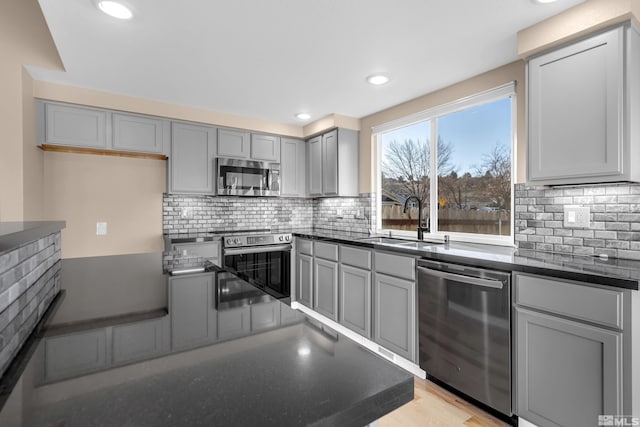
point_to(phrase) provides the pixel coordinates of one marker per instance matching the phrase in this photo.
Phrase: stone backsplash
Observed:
(193, 214)
(29, 279)
(614, 219)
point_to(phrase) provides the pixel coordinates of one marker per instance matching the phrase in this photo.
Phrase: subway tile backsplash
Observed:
(193, 214)
(614, 219)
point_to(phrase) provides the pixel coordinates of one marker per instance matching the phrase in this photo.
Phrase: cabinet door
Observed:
(191, 161)
(568, 373)
(265, 147)
(575, 108)
(395, 315)
(234, 322)
(315, 166)
(325, 286)
(292, 167)
(137, 133)
(355, 299)
(190, 308)
(75, 126)
(233, 143)
(265, 315)
(304, 287)
(75, 354)
(140, 340)
(330, 163)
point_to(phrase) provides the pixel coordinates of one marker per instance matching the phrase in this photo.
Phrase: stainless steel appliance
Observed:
(232, 292)
(464, 330)
(247, 178)
(262, 258)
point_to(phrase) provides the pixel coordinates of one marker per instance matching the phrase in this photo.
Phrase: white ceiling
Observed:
(270, 59)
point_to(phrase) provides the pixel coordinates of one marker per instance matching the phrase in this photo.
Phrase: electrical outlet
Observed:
(186, 213)
(577, 216)
(339, 212)
(360, 213)
(101, 228)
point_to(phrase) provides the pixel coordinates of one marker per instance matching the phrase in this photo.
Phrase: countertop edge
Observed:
(18, 233)
(556, 271)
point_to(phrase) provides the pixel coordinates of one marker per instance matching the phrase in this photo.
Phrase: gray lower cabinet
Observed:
(304, 283)
(234, 322)
(355, 299)
(569, 352)
(193, 320)
(292, 167)
(191, 163)
(325, 281)
(74, 354)
(140, 340)
(265, 315)
(132, 132)
(568, 372)
(394, 315)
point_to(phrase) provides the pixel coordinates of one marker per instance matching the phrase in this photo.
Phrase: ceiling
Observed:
(271, 59)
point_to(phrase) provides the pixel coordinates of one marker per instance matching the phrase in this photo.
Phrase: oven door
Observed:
(266, 267)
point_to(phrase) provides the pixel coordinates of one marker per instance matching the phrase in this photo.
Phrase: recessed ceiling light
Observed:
(377, 79)
(303, 116)
(115, 9)
(543, 1)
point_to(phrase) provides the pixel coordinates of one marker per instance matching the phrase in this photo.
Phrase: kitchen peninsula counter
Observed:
(621, 273)
(293, 372)
(18, 233)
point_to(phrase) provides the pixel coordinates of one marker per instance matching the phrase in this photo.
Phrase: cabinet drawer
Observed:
(396, 265)
(355, 257)
(580, 301)
(327, 251)
(305, 246)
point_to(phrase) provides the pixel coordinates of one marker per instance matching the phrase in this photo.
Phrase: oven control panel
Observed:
(256, 240)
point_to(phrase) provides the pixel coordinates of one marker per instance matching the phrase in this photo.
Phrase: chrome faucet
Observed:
(421, 228)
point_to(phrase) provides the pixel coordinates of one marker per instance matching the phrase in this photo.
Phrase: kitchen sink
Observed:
(405, 243)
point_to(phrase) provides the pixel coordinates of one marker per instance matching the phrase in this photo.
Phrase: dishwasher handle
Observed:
(477, 281)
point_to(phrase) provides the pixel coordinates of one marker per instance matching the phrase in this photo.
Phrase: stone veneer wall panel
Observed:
(614, 215)
(29, 280)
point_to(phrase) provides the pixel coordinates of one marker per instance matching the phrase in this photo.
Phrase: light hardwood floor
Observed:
(434, 406)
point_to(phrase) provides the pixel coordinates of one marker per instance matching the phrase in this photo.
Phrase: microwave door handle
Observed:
(477, 281)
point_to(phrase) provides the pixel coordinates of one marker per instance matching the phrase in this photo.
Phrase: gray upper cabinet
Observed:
(265, 147)
(581, 101)
(314, 166)
(193, 320)
(74, 126)
(234, 143)
(292, 167)
(570, 360)
(137, 133)
(332, 163)
(191, 163)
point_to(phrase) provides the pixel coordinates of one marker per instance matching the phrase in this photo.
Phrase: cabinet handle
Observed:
(476, 281)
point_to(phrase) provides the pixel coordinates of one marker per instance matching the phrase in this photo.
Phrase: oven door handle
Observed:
(256, 249)
(477, 281)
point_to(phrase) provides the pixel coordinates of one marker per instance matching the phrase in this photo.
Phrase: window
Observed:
(465, 187)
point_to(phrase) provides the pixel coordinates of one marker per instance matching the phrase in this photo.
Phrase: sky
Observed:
(472, 132)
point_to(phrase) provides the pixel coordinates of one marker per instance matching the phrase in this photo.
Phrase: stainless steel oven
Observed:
(247, 178)
(264, 260)
(465, 330)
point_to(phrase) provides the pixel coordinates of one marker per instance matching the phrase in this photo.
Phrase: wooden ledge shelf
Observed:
(101, 152)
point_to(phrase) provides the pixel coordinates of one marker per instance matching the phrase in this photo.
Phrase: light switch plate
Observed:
(577, 216)
(101, 228)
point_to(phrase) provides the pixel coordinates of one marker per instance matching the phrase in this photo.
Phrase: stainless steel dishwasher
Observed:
(464, 330)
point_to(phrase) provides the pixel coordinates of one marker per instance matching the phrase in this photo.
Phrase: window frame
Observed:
(501, 92)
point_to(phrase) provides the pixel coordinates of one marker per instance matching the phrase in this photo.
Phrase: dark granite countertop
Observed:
(18, 233)
(610, 272)
(130, 362)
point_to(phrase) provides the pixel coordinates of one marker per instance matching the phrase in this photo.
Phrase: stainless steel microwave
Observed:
(247, 178)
